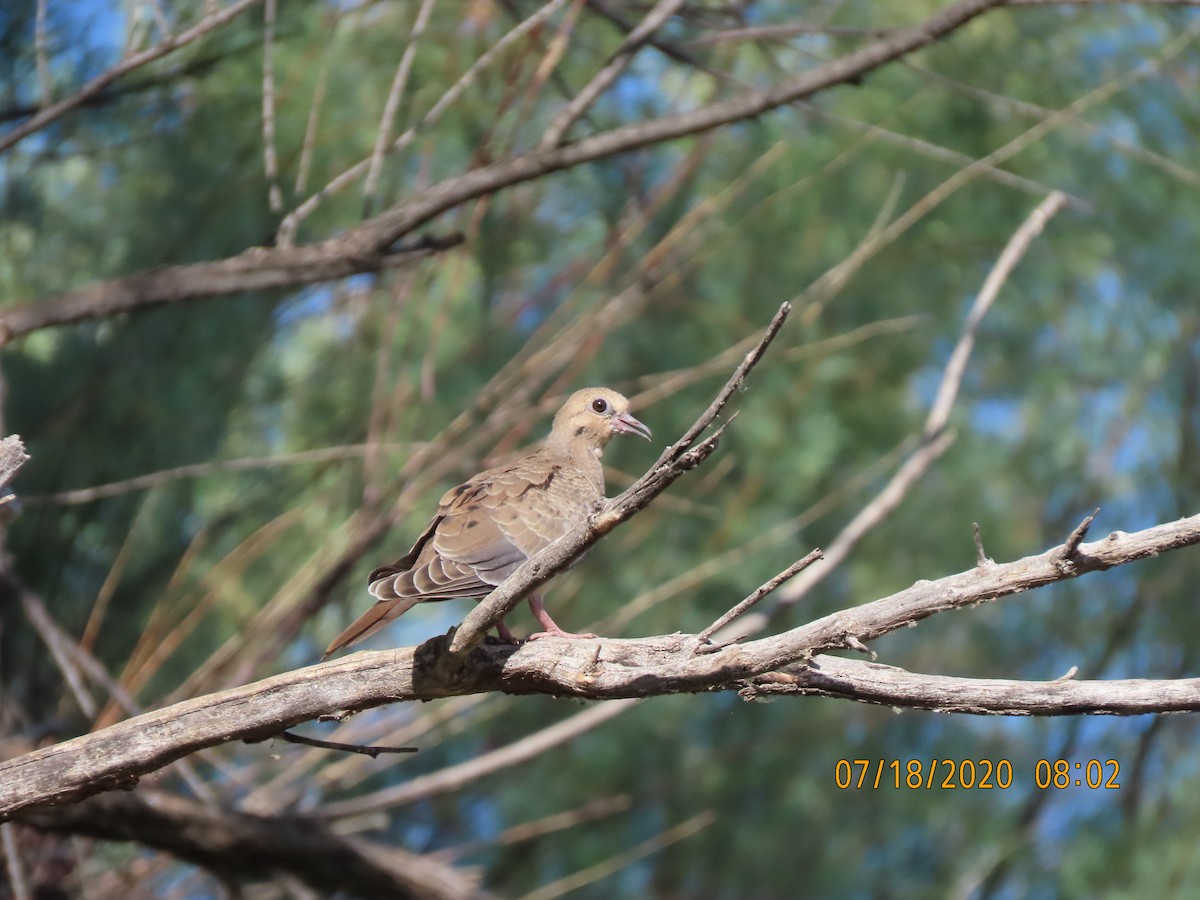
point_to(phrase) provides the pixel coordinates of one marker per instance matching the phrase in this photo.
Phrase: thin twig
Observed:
(674, 461)
(1075, 538)
(57, 643)
(981, 558)
(1165, 164)
(763, 590)
(392, 106)
(50, 113)
(199, 470)
(39, 49)
(939, 410)
(597, 809)
(453, 778)
(12, 457)
(304, 166)
(381, 412)
(935, 438)
(291, 222)
(942, 154)
(735, 382)
(603, 79)
(160, 18)
(270, 163)
(15, 869)
(365, 749)
(619, 861)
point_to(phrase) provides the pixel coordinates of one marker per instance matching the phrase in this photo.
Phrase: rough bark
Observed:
(600, 669)
(239, 846)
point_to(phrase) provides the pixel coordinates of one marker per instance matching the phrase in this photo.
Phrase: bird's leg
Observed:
(506, 635)
(552, 630)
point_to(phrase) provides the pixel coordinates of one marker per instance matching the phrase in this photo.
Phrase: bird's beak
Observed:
(627, 424)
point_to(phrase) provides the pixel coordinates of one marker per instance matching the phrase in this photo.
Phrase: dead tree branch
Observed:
(12, 457)
(55, 111)
(678, 458)
(242, 846)
(869, 682)
(935, 439)
(606, 669)
(367, 247)
(258, 268)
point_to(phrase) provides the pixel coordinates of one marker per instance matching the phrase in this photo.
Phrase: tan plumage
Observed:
(486, 527)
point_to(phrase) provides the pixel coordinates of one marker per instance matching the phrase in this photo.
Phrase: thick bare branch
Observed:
(870, 682)
(366, 248)
(401, 220)
(12, 457)
(258, 268)
(605, 669)
(244, 846)
(925, 598)
(602, 80)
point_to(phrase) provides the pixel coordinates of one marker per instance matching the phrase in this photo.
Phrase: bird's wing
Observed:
(498, 520)
(484, 529)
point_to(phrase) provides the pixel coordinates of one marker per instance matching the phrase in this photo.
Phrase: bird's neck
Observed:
(578, 454)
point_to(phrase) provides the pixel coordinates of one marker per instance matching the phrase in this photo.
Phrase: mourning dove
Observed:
(486, 527)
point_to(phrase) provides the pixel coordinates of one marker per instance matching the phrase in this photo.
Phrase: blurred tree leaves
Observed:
(1081, 392)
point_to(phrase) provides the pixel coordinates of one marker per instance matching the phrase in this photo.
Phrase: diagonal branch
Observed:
(168, 45)
(365, 248)
(935, 439)
(402, 219)
(602, 80)
(452, 778)
(678, 458)
(12, 457)
(870, 682)
(247, 846)
(259, 268)
(391, 107)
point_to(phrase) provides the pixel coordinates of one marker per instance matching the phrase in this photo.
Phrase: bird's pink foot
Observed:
(505, 635)
(558, 632)
(552, 629)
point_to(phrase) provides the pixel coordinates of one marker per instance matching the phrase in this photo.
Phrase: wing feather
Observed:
(485, 528)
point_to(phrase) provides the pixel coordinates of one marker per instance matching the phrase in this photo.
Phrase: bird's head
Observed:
(592, 416)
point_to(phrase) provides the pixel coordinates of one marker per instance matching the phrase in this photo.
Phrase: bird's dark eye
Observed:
(600, 405)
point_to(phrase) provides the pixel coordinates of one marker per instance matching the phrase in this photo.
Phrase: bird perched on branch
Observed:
(486, 527)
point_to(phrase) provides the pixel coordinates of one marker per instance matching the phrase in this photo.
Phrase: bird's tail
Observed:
(383, 612)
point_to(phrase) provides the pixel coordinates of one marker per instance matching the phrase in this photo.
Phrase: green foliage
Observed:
(1081, 392)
